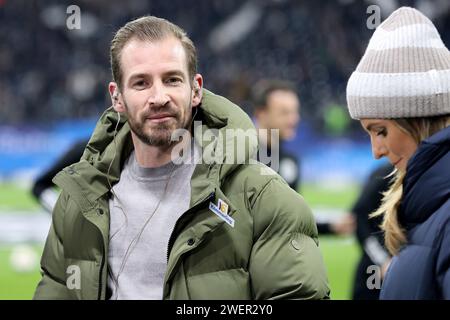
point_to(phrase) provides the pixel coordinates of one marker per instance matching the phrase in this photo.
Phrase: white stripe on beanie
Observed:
(399, 84)
(405, 71)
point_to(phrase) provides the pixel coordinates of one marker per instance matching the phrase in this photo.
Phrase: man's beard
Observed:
(160, 134)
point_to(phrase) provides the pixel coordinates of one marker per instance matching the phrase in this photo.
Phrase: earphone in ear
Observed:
(115, 98)
(115, 95)
(196, 87)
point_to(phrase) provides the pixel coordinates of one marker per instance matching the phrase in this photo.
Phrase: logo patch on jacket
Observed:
(222, 211)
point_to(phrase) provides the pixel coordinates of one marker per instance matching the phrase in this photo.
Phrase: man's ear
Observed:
(197, 87)
(116, 97)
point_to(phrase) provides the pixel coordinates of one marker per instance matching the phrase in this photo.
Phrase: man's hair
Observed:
(149, 28)
(264, 88)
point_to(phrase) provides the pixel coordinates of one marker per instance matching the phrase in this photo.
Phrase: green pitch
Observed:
(340, 254)
(15, 285)
(13, 197)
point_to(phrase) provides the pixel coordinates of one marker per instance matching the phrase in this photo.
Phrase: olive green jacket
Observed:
(271, 252)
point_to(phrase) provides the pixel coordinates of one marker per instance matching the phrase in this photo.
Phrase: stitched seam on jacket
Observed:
(223, 270)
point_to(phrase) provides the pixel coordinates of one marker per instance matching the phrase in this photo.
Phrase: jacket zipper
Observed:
(101, 272)
(171, 238)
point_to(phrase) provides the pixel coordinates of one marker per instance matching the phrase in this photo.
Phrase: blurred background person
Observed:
(368, 232)
(277, 116)
(43, 188)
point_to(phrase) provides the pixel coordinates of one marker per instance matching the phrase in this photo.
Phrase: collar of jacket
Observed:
(87, 180)
(426, 186)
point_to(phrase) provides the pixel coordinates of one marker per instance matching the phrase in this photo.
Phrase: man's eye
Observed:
(382, 132)
(139, 83)
(173, 80)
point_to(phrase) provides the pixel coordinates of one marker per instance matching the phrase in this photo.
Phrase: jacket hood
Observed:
(426, 186)
(219, 127)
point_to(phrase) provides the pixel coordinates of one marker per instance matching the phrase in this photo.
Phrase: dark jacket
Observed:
(288, 166)
(421, 270)
(368, 231)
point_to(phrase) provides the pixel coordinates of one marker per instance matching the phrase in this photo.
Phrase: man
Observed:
(133, 223)
(277, 114)
(277, 109)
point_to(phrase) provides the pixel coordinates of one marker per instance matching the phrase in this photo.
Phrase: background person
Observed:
(368, 232)
(276, 106)
(43, 187)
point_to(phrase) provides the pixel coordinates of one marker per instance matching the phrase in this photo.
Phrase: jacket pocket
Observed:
(231, 284)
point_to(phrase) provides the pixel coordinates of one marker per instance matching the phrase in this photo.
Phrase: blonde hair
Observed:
(149, 28)
(419, 129)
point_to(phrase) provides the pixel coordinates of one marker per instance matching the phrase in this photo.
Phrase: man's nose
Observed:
(158, 95)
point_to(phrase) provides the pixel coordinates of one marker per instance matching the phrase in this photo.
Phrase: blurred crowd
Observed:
(49, 73)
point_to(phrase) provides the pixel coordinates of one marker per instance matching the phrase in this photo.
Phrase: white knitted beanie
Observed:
(404, 73)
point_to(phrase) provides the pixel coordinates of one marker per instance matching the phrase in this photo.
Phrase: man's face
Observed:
(157, 93)
(281, 112)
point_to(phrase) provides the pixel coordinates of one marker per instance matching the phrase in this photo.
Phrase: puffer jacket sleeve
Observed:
(52, 286)
(285, 261)
(443, 262)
